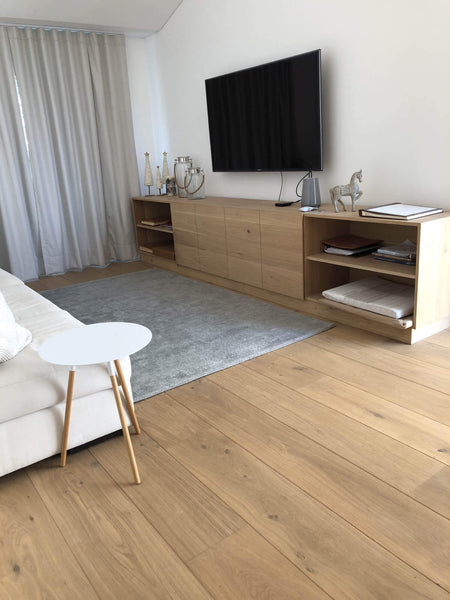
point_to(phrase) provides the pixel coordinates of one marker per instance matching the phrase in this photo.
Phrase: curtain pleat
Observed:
(117, 152)
(18, 220)
(74, 95)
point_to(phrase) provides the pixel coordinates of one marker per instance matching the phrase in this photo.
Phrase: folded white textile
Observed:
(377, 295)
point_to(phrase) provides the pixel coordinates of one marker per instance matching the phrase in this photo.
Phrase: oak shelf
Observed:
(365, 263)
(162, 228)
(253, 247)
(430, 276)
(153, 240)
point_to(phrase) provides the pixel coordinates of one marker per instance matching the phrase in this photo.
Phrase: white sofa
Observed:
(32, 392)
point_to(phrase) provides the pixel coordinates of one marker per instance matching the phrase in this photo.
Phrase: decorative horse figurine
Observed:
(352, 190)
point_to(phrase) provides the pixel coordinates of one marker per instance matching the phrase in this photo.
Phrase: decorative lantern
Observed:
(194, 183)
(181, 165)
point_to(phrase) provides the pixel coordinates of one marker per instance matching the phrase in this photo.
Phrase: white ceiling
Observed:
(133, 17)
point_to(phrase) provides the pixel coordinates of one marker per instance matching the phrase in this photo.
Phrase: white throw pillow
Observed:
(13, 337)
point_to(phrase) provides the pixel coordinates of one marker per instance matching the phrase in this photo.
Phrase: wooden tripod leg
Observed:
(126, 433)
(65, 436)
(129, 402)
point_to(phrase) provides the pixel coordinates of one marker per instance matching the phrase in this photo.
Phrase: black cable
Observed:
(279, 203)
(281, 186)
(308, 174)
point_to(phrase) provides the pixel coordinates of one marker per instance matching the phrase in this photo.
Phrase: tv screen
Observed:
(267, 118)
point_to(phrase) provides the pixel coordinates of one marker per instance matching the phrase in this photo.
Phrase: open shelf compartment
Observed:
(154, 240)
(324, 271)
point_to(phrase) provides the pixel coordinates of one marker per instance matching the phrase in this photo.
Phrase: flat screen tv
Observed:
(268, 117)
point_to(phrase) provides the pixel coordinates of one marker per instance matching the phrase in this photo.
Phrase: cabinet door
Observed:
(244, 245)
(185, 234)
(282, 253)
(211, 239)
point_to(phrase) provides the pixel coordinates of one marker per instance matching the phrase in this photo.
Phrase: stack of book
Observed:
(404, 253)
(350, 245)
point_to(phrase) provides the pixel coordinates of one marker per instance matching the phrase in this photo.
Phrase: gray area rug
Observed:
(197, 328)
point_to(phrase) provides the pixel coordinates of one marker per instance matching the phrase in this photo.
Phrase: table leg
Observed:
(65, 437)
(129, 402)
(126, 433)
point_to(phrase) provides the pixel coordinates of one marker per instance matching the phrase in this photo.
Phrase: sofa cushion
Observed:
(13, 337)
(27, 383)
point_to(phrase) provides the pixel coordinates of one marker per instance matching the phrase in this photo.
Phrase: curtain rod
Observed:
(61, 28)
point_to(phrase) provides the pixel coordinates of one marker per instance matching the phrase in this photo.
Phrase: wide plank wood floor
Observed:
(318, 471)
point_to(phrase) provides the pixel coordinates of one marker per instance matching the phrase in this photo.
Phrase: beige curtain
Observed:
(74, 92)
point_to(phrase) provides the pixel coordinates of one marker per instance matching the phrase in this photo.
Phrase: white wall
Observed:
(386, 89)
(142, 93)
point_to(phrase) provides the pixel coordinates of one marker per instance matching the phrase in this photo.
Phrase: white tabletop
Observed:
(93, 344)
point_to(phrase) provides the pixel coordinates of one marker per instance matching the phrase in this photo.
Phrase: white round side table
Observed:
(93, 344)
